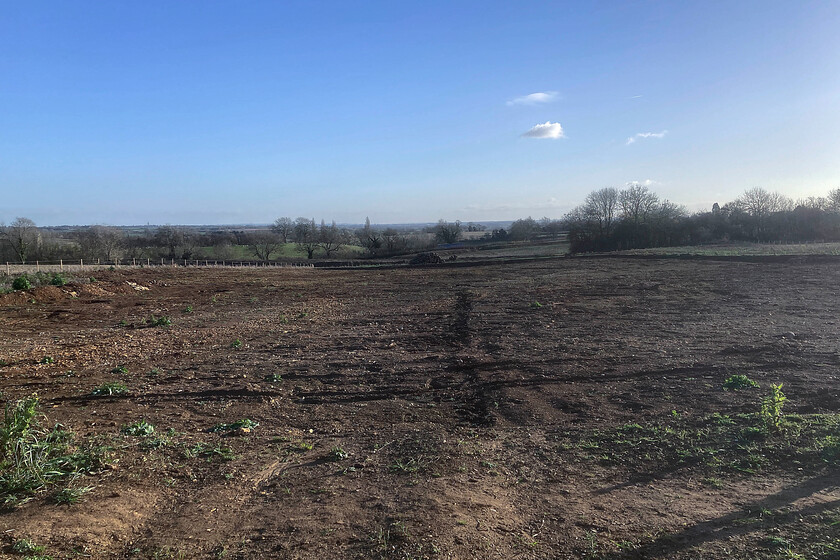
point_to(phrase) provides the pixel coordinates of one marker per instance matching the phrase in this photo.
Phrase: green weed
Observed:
(244, 424)
(110, 389)
(771, 407)
(236, 344)
(140, 428)
(32, 457)
(738, 382)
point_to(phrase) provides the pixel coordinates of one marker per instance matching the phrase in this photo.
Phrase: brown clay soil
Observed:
(480, 409)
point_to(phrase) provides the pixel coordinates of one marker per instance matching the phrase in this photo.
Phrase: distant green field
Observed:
(742, 249)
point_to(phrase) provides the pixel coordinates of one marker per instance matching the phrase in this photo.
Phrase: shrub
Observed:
(21, 283)
(58, 279)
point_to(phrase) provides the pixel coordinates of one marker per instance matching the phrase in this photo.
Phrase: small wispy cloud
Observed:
(641, 135)
(534, 98)
(546, 130)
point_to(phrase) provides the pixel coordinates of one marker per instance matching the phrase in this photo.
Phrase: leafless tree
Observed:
(833, 202)
(306, 236)
(331, 238)
(637, 202)
(600, 208)
(393, 240)
(22, 236)
(284, 227)
(759, 203)
(369, 238)
(100, 242)
(446, 232)
(263, 244)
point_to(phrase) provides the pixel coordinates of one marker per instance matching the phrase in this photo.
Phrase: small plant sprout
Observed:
(337, 454)
(236, 344)
(120, 369)
(188, 309)
(536, 305)
(47, 360)
(272, 378)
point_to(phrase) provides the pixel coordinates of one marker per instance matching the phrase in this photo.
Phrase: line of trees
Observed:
(635, 217)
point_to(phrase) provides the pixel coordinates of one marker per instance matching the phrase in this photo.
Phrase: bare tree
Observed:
(22, 236)
(169, 237)
(306, 236)
(446, 232)
(369, 238)
(637, 202)
(331, 238)
(100, 242)
(393, 240)
(600, 207)
(759, 203)
(284, 227)
(833, 203)
(263, 244)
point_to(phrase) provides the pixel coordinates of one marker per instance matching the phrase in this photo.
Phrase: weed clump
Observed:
(32, 457)
(162, 321)
(738, 382)
(245, 425)
(110, 390)
(58, 279)
(138, 429)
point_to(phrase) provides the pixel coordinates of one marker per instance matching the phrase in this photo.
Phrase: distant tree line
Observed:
(634, 217)
(608, 219)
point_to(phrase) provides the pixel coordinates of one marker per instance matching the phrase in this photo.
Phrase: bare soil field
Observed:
(562, 408)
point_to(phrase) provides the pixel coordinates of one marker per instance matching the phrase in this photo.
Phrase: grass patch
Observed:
(716, 444)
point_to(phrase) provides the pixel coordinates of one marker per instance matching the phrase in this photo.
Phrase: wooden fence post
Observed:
(38, 266)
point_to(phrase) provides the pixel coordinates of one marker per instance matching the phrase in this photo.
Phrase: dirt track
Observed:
(462, 396)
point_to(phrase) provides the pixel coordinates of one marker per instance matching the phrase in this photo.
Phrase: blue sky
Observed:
(230, 112)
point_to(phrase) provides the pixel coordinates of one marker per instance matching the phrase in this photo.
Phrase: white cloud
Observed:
(645, 183)
(632, 139)
(534, 98)
(545, 130)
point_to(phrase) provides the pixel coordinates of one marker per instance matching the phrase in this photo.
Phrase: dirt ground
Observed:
(564, 408)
